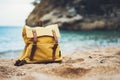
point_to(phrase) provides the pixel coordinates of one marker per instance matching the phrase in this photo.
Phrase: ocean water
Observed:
(11, 42)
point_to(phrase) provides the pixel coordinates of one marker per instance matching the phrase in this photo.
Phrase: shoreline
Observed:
(96, 64)
(14, 54)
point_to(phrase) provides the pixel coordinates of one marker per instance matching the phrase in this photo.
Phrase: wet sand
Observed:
(99, 64)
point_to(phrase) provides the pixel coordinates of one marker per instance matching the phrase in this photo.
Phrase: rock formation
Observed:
(78, 14)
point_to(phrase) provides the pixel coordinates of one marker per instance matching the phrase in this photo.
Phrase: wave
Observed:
(9, 51)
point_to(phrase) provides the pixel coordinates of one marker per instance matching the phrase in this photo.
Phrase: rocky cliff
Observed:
(78, 14)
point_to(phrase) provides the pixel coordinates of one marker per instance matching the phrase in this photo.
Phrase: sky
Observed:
(14, 12)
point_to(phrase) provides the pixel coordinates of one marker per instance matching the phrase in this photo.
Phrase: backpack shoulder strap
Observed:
(34, 44)
(55, 36)
(55, 45)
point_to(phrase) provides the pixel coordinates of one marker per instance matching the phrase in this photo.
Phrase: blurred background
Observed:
(84, 24)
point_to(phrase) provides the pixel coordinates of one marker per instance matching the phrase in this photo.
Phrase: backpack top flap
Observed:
(42, 31)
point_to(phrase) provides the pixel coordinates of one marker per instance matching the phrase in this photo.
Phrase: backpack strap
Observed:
(55, 45)
(34, 44)
(35, 41)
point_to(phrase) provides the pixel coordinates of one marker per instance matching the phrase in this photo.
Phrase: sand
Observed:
(97, 64)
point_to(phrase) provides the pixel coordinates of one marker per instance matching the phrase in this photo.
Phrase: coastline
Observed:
(95, 64)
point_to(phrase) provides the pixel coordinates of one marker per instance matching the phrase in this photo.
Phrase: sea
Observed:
(12, 44)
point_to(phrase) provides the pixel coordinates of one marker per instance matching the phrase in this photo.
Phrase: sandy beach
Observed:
(98, 64)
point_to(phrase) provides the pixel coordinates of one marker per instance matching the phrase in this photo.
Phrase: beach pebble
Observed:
(90, 57)
(21, 73)
(102, 61)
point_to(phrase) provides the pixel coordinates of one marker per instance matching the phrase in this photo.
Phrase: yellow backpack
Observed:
(41, 45)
